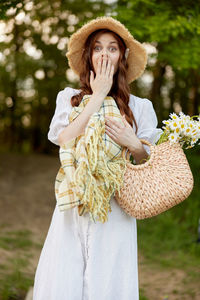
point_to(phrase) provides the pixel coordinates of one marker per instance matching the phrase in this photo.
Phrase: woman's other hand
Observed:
(123, 135)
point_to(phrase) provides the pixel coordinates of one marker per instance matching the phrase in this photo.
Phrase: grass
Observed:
(170, 239)
(15, 284)
(20, 239)
(14, 280)
(142, 296)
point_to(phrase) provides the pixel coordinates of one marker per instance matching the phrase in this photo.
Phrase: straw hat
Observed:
(135, 52)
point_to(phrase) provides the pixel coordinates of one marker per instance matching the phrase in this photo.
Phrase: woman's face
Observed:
(106, 45)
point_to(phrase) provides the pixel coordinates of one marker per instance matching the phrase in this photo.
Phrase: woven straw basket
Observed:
(160, 183)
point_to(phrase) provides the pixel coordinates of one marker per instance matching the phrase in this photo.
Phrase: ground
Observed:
(27, 203)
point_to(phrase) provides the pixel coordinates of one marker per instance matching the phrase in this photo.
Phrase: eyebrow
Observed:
(109, 43)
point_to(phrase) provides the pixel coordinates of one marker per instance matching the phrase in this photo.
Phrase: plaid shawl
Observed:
(92, 166)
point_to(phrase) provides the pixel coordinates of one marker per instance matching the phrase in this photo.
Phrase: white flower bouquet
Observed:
(181, 128)
(165, 179)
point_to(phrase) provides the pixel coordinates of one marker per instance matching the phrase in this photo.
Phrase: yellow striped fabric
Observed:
(92, 166)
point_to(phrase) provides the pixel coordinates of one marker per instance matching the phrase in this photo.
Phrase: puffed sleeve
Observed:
(147, 125)
(60, 118)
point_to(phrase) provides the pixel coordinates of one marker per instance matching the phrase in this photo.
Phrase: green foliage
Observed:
(5, 5)
(173, 25)
(34, 67)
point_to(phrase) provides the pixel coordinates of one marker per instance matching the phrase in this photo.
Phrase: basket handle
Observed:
(143, 141)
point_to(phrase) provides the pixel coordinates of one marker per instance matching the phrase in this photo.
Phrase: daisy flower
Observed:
(198, 127)
(173, 116)
(187, 131)
(194, 140)
(182, 129)
(181, 114)
(173, 137)
(173, 125)
(177, 130)
(166, 122)
(194, 132)
(191, 124)
(181, 125)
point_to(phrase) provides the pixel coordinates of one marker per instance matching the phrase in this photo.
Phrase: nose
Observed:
(104, 53)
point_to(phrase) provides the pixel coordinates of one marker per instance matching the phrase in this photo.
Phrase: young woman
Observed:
(82, 260)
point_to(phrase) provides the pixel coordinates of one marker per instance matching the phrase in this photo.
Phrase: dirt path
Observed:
(27, 202)
(169, 284)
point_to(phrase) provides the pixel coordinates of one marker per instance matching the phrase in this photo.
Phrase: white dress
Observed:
(82, 260)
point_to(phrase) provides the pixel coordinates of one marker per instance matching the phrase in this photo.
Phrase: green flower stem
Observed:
(197, 116)
(163, 138)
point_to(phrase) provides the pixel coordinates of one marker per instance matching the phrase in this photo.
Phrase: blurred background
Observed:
(33, 69)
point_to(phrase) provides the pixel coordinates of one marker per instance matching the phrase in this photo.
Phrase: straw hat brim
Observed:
(137, 56)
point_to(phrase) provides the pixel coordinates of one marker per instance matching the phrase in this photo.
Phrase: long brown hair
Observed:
(120, 90)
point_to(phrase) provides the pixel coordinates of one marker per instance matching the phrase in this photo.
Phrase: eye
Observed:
(98, 47)
(113, 48)
(95, 48)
